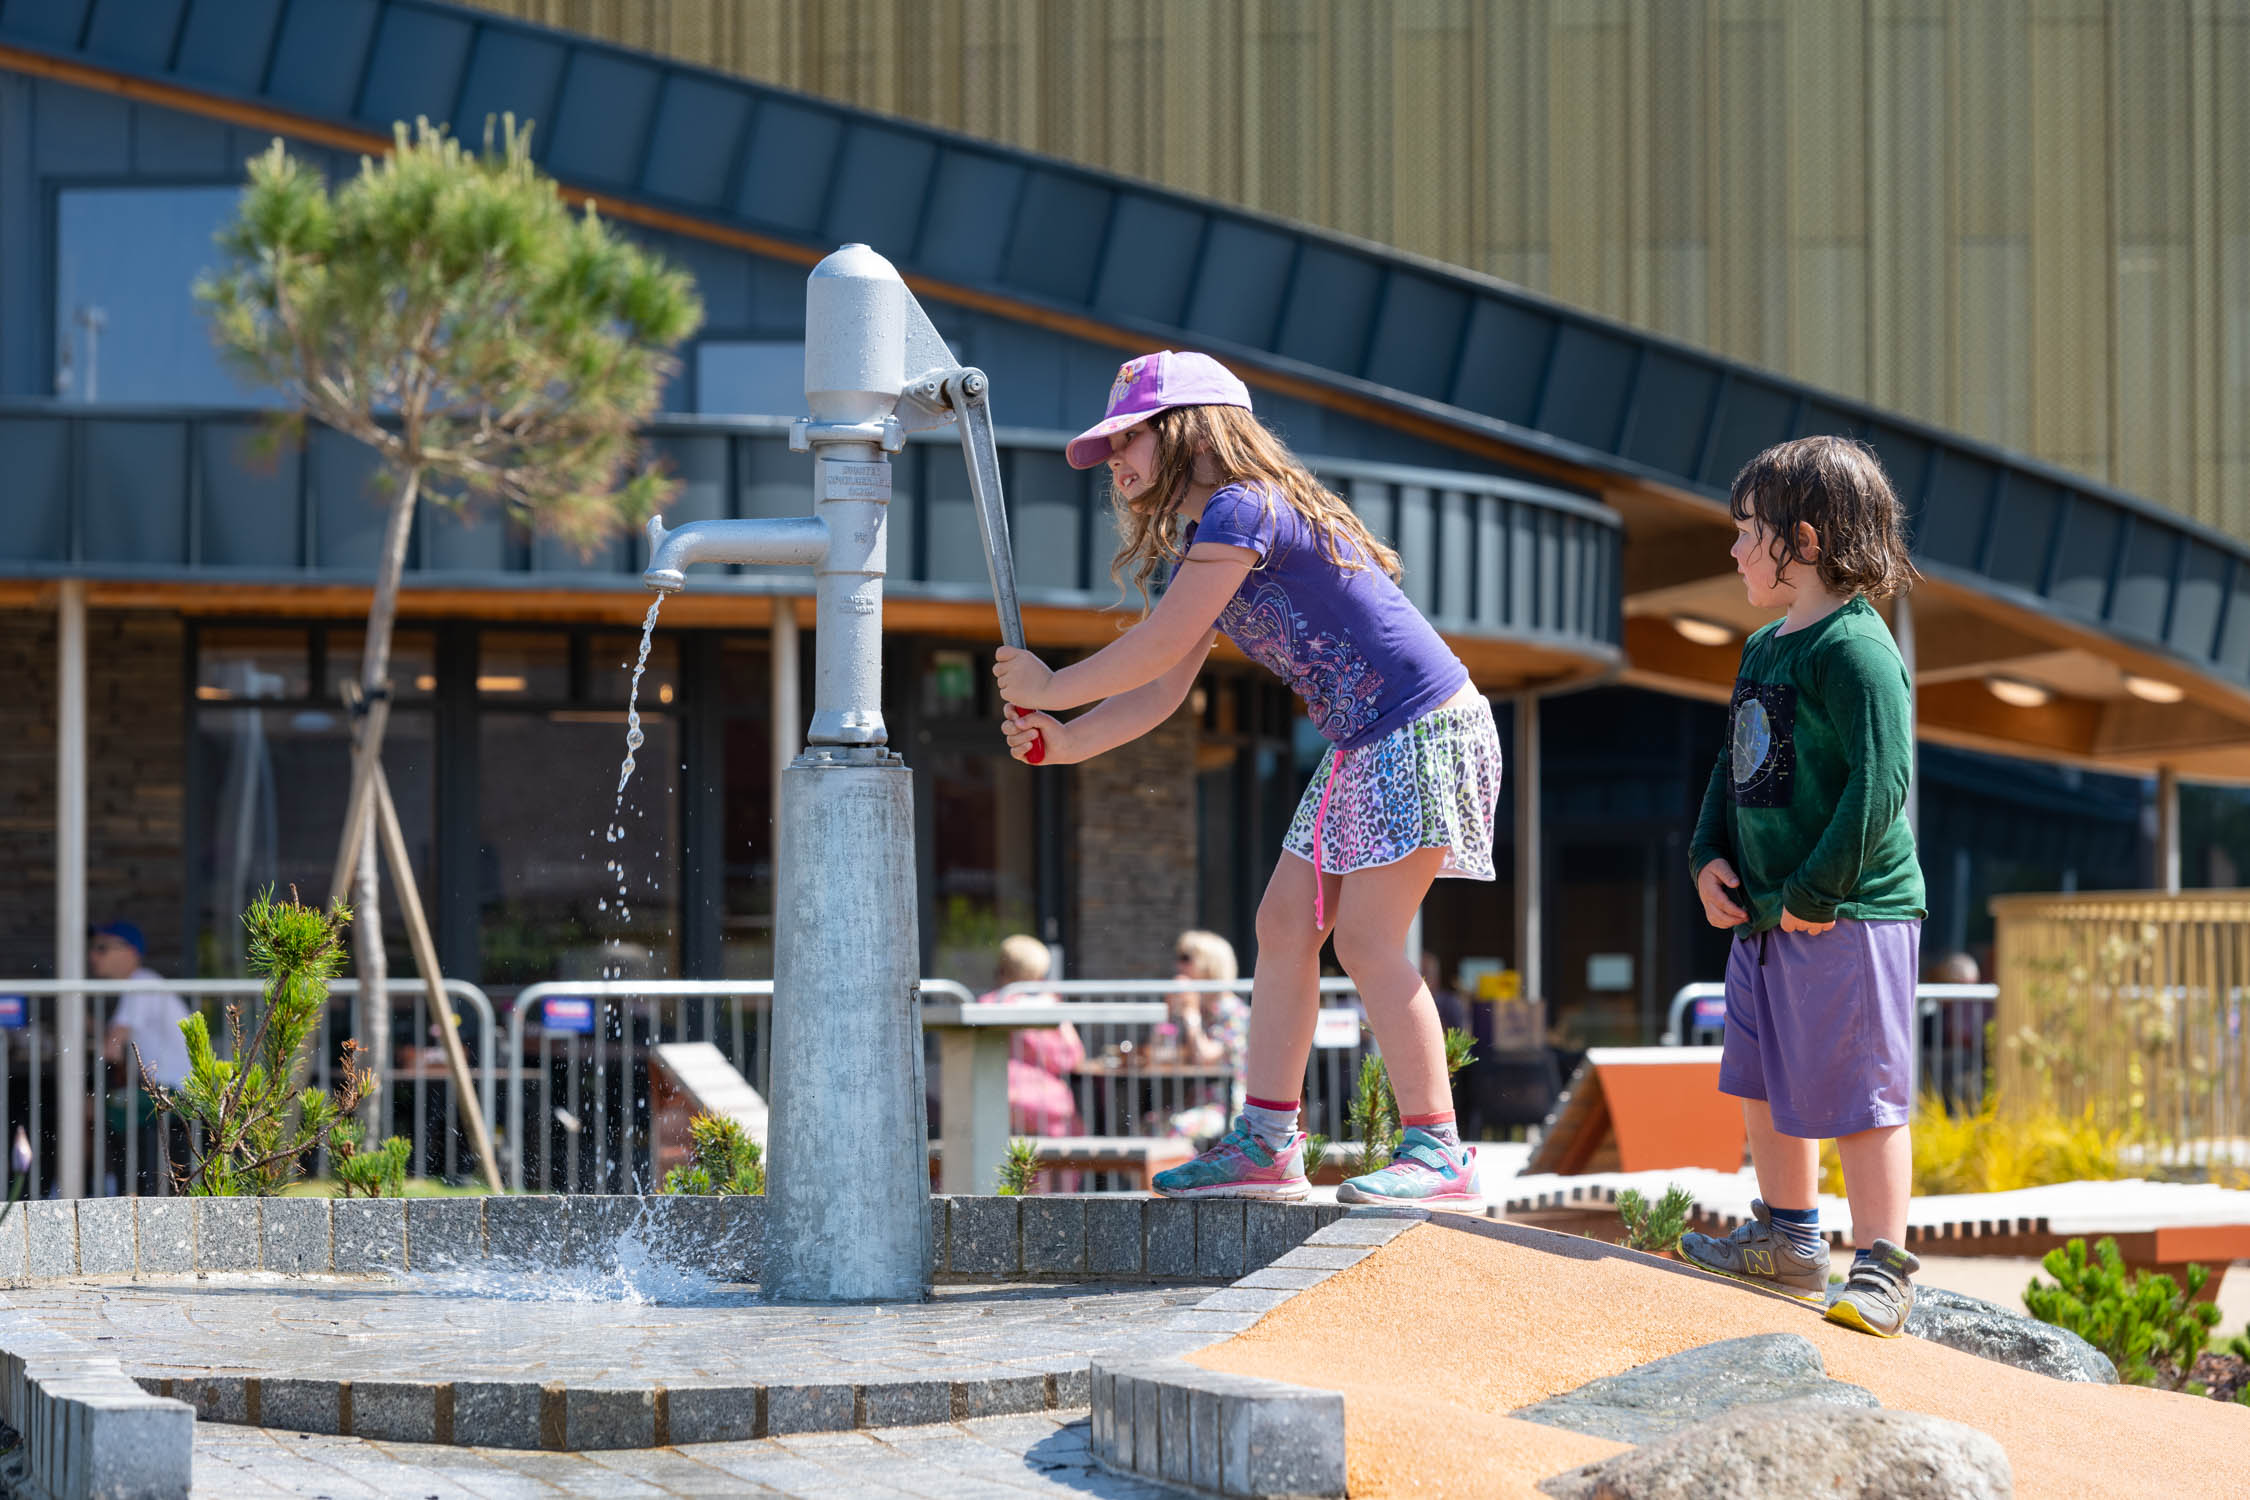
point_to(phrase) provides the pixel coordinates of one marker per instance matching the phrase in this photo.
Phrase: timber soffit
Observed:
(1320, 315)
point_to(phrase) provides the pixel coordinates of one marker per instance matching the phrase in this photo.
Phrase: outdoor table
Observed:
(973, 1060)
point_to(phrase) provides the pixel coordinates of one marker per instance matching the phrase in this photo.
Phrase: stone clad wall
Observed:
(1136, 854)
(135, 788)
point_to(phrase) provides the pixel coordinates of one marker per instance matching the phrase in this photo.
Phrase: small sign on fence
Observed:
(568, 1013)
(1710, 1012)
(15, 1012)
(1338, 1026)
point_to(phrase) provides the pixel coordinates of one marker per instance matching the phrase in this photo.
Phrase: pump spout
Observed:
(780, 541)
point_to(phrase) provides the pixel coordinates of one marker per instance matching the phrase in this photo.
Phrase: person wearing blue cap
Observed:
(144, 1031)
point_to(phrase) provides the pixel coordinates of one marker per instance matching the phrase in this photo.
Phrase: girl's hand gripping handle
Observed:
(1022, 676)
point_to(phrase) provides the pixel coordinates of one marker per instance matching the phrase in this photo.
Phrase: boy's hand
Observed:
(1025, 680)
(1713, 885)
(1026, 728)
(1791, 922)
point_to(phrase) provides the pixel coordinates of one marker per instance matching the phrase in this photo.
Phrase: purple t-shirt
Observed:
(1347, 641)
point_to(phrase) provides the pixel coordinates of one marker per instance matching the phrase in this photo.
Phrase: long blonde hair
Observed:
(1242, 450)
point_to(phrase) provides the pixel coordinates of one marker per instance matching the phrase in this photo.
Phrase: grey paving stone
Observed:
(1103, 1385)
(1234, 1299)
(1113, 1234)
(1361, 1231)
(299, 1233)
(1203, 1437)
(496, 1413)
(106, 1238)
(1274, 1229)
(986, 1236)
(1214, 1321)
(53, 1230)
(1171, 1236)
(1001, 1395)
(1284, 1278)
(443, 1232)
(1173, 1436)
(1073, 1388)
(609, 1416)
(742, 1237)
(1054, 1234)
(1218, 1237)
(15, 1247)
(216, 1398)
(1323, 1257)
(809, 1407)
(226, 1234)
(527, 1229)
(1282, 1441)
(711, 1414)
(295, 1405)
(597, 1225)
(395, 1411)
(905, 1403)
(1148, 1428)
(940, 1238)
(370, 1234)
(165, 1233)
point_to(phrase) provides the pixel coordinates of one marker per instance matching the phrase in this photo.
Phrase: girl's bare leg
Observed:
(1377, 908)
(1285, 991)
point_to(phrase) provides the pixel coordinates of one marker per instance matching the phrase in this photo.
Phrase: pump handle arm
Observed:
(968, 393)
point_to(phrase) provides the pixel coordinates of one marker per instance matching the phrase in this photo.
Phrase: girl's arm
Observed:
(1114, 721)
(1863, 685)
(1190, 607)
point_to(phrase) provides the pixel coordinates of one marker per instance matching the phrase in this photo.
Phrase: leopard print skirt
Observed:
(1430, 784)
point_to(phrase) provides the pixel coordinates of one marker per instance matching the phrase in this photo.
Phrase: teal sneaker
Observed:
(1240, 1166)
(1425, 1173)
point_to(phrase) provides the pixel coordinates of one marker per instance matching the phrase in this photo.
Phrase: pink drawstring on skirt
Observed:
(1319, 915)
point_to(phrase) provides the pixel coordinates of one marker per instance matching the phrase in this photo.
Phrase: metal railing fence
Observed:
(33, 1050)
(1953, 1035)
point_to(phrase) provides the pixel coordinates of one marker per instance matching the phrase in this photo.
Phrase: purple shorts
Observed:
(1821, 1026)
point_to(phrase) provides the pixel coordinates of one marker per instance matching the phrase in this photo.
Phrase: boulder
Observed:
(1685, 1389)
(1990, 1331)
(1793, 1449)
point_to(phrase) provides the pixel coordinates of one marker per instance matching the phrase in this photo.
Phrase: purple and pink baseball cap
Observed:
(1154, 383)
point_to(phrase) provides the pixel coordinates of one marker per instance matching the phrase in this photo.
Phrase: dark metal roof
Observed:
(185, 495)
(1384, 327)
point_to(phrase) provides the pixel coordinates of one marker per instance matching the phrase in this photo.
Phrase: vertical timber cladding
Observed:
(135, 783)
(1136, 859)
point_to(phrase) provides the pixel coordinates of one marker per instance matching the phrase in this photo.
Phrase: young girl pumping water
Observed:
(1257, 548)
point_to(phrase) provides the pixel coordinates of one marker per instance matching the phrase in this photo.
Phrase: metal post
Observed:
(786, 696)
(1902, 631)
(1529, 938)
(70, 887)
(2168, 829)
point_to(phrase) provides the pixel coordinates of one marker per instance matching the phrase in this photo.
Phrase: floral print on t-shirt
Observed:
(1340, 686)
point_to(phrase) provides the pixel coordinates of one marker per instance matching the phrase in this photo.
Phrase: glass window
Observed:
(609, 669)
(526, 666)
(413, 662)
(240, 664)
(126, 325)
(981, 860)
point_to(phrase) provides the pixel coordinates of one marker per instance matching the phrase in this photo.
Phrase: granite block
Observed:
(1203, 1438)
(1122, 1437)
(370, 1234)
(15, 1247)
(1233, 1299)
(299, 1234)
(742, 1237)
(809, 1408)
(597, 1224)
(1284, 1278)
(1148, 1427)
(1073, 1388)
(986, 1236)
(1172, 1444)
(528, 1230)
(1356, 1230)
(609, 1416)
(1171, 1236)
(395, 1411)
(496, 1413)
(1001, 1395)
(216, 1398)
(1195, 1320)
(442, 1232)
(106, 1238)
(1272, 1230)
(129, 1444)
(226, 1234)
(1218, 1238)
(711, 1413)
(1113, 1234)
(1283, 1440)
(1054, 1234)
(1103, 1386)
(166, 1234)
(300, 1405)
(940, 1242)
(905, 1403)
(53, 1229)
(1322, 1257)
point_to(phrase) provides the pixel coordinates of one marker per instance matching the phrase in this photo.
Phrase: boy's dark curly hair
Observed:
(1836, 486)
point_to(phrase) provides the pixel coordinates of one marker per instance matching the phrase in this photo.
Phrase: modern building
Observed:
(1552, 477)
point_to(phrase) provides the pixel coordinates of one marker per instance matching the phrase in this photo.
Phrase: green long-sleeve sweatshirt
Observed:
(1808, 800)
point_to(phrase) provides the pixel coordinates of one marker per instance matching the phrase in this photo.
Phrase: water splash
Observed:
(634, 1271)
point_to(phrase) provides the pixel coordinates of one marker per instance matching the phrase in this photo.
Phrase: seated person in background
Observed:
(1040, 1059)
(143, 1031)
(1206, 1029)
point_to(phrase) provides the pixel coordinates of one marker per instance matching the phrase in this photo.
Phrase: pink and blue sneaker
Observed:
(1425, 1173)
(1240, 1166)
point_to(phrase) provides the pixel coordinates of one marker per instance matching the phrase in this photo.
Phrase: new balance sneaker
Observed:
(1759, 1255)
(1877, 1296)
(1425, 1172)
(1240, 1166)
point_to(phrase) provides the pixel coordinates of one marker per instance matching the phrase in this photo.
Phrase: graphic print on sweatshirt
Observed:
(1762, 742)
(1339, 685)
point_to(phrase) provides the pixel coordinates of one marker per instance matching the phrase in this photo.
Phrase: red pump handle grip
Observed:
(1038, 751)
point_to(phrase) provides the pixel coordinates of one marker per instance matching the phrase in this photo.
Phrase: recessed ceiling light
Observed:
(1702, 631)
(2153, 689)
(2017, 693)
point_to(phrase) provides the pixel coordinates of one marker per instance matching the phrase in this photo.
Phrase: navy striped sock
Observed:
(1800, 1225)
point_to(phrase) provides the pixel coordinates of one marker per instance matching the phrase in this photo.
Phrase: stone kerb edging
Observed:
(1058, 1237)
(1238, 1436)
(89, 1432)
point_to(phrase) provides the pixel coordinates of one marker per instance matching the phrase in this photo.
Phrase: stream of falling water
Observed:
(615, 867)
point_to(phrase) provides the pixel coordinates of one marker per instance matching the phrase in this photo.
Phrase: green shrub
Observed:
(1654, 1227)
(1019, 1170)
(1986, 1152)
(1372, 1114)
(2151, 1330)
(722, 1160)
(360, 1173)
